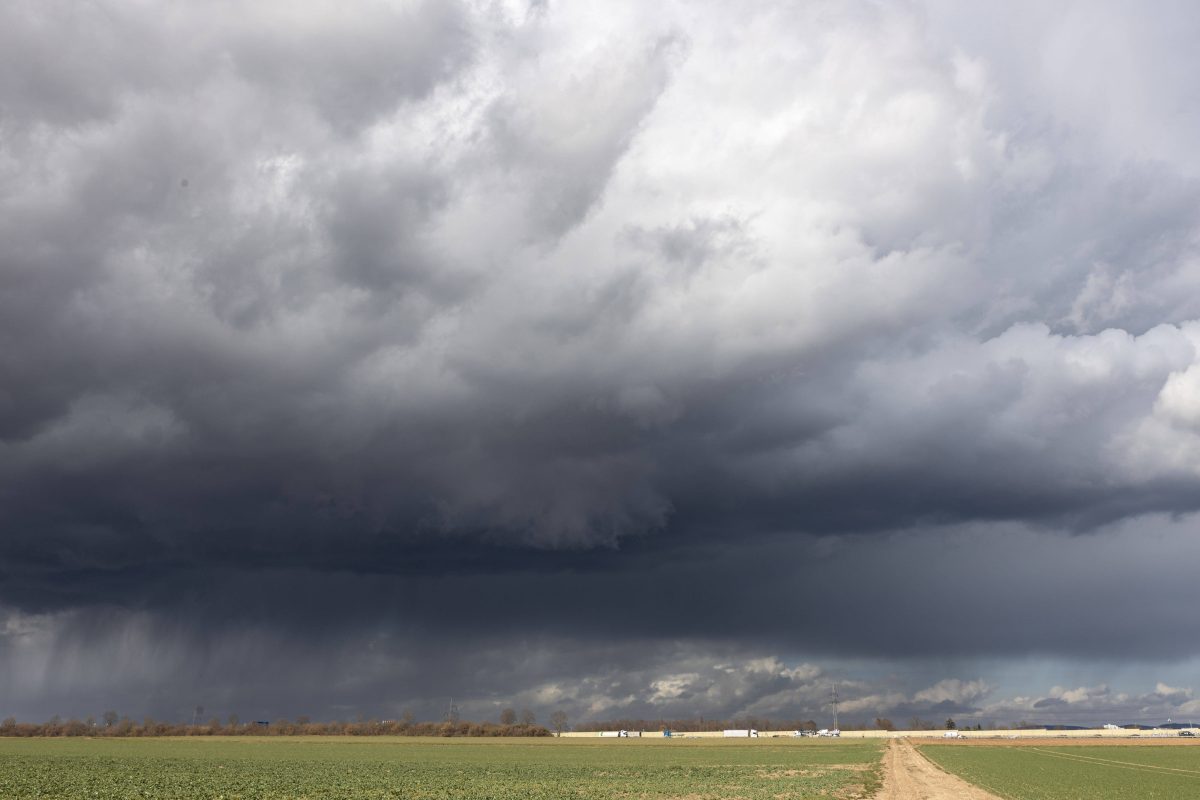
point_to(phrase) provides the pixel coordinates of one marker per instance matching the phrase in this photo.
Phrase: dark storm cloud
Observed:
(954, 593)
(760, 630)
(521, 307)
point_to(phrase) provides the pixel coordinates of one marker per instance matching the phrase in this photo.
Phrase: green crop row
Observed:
(432, 770)
(1075, 773)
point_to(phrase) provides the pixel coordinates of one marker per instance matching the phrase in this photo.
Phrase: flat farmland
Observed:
(1075, 770)
(436, 769)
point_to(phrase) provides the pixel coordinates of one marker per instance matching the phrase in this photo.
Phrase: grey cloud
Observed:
(535, 303)
(353, 68)
(382, 672)
(1050, 703)
(575, 397)
(374, 224)
(560, 137)
(1099, 705)
(965, 594)
(77, 84)
(84, 662)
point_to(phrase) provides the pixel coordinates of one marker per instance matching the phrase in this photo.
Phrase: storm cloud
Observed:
(596, 349)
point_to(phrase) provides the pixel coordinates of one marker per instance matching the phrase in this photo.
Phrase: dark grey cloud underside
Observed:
(967, 593)
(921, 603)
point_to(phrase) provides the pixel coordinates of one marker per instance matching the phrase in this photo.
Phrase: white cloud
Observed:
(955, 691)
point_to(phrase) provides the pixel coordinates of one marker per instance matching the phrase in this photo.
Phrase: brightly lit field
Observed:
(337, 767)
(1036, 771)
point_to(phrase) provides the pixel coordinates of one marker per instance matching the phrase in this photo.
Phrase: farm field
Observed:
(1075, 771)
(435, 769)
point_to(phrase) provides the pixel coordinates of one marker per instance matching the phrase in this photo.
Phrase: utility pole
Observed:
(835, 718)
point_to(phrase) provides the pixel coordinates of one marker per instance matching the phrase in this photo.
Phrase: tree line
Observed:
(111, 724)
(511, 723)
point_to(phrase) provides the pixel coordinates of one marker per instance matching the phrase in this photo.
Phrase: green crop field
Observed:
(347, 767)
(1034, 772)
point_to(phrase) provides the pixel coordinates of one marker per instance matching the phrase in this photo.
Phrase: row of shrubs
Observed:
(283, 727)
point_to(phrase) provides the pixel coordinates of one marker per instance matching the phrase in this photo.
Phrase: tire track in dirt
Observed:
(908, 775)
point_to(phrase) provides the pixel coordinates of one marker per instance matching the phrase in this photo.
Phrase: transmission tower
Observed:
(835, 701)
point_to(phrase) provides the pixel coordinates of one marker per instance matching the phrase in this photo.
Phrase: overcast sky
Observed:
(622, 358)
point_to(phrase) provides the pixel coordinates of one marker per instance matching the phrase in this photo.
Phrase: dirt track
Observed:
(907, 775)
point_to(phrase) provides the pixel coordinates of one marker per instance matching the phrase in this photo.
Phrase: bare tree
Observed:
(527, 717)
(110, 718)
(508, 717)
(558, 721)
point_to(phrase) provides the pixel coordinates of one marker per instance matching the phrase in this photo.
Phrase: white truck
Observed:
(742, 733)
